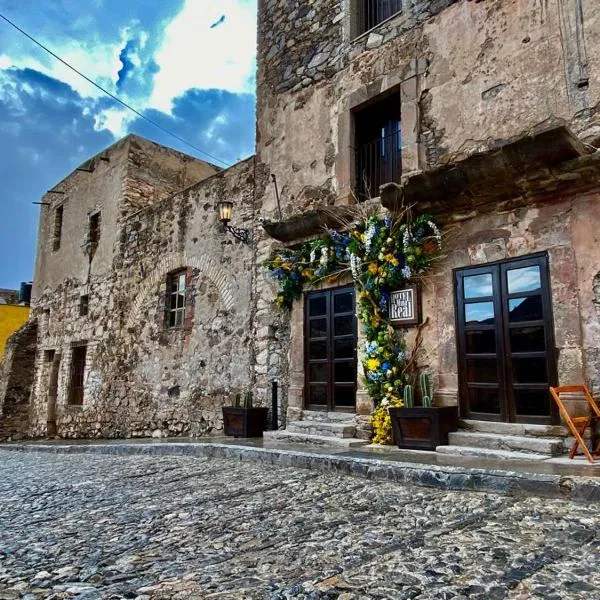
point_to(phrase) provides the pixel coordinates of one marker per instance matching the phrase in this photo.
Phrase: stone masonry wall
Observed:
(468, 75)
(16, 375)
(141, 377)
(130, 176)
(499, 233)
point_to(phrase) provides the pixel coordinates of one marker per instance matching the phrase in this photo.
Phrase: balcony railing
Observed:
(377, 162)
(373, 12)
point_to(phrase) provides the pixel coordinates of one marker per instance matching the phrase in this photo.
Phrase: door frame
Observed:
(507, 411)
(329, 293)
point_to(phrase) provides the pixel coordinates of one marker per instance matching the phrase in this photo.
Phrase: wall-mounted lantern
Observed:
(225, 208)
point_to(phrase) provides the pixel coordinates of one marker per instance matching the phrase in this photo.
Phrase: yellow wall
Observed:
(11, 318)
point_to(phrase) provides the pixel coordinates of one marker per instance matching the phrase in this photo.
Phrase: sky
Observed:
(186, 64)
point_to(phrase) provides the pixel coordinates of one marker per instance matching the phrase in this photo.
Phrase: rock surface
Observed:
(149, 527)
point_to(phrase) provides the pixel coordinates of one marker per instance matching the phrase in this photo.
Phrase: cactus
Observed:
(425, 389)
(248, 400)
(408, 396)
(238, 400)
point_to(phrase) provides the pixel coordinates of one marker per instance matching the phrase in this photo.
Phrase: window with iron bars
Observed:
(369, 13)
(377, 145)
(176, 292)
(76, 384)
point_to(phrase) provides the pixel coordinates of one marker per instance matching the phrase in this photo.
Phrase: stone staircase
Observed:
(516, 441)
(319, 428)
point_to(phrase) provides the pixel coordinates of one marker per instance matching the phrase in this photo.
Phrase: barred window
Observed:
(57, 233)
(176, 291)
(369, 13)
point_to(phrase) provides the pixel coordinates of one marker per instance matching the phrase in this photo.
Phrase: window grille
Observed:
(58, 221)
(77, 372)
(176, 293)
(84, 302)
(373, 12)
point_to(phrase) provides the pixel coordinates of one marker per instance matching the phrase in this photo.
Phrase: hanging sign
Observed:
(404, 305)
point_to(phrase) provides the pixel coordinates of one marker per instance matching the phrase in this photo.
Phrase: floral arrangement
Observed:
(382, 253)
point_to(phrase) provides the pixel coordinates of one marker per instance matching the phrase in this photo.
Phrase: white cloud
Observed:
(192, 55)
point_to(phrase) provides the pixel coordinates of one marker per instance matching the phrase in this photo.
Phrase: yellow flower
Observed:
(286, 265)
(373, 268)
(372, 364)
(307, 273)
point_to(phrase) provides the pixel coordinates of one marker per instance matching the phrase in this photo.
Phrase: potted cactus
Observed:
(422, 427)
(244, 420)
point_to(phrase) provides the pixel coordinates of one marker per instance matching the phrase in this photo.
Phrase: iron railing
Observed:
(373, 12)
(377, 162)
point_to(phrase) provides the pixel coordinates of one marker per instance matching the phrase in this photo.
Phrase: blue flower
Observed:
(406, 272)
(387, 220)
(294, 275)
(386, 366)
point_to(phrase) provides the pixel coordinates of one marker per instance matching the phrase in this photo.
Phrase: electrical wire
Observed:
(115, 98)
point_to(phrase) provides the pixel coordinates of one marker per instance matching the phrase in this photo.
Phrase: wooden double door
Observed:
(330, 338)
(505, 341)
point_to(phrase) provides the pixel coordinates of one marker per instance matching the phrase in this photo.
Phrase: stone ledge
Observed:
(577, 488)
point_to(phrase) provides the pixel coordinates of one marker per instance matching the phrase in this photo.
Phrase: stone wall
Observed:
(16, 375)
(123, 181)
(143, 378)
(553, 226)
(468, 74)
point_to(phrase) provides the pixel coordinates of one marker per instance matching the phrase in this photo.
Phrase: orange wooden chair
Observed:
(578, 425)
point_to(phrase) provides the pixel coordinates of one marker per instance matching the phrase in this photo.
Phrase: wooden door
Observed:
(505, 341)
(330, 336)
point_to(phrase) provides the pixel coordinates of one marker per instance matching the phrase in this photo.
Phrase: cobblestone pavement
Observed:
(150, 527)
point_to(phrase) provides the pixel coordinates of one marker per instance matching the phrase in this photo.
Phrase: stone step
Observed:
(289, 437)
(494, 441)
(490, 453)
(323, 415)
(325, 428)
(527, 429)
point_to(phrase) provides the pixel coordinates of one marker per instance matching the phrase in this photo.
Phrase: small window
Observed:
(49, 355)
(93, 233)
(84, 305)
(58, 221)
(369, 13)
(176, 290)
(77, 372)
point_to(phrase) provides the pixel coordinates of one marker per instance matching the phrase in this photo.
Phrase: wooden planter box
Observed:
(244, 422)
(423, 428)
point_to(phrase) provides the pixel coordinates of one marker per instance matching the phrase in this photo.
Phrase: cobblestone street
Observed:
(93, 526)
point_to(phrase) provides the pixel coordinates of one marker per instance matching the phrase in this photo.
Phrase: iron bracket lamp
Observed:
(225, 209)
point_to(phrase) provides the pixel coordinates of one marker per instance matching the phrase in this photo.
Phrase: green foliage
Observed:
(425, 389)
(237, 400)
(382, 253)
(248, 400)
(408, 396)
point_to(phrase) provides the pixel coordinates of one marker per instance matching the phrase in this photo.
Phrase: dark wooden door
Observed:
(330, 349)
(505, 341)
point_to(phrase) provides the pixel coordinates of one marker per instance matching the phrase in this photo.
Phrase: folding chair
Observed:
(578, 425)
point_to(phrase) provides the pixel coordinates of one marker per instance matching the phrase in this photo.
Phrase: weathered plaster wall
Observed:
(555, 226)
(468, 74)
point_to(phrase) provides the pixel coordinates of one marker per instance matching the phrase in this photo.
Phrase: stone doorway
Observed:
(505, 341)
(330, 343)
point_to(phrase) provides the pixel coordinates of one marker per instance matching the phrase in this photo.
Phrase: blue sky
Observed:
(187, 64)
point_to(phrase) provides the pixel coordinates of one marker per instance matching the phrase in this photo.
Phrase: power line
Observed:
(116, 98)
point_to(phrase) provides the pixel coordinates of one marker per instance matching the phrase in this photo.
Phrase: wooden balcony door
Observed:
(505, 341)
(330, 337)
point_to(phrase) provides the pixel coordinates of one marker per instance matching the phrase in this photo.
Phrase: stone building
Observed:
(484, 114)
